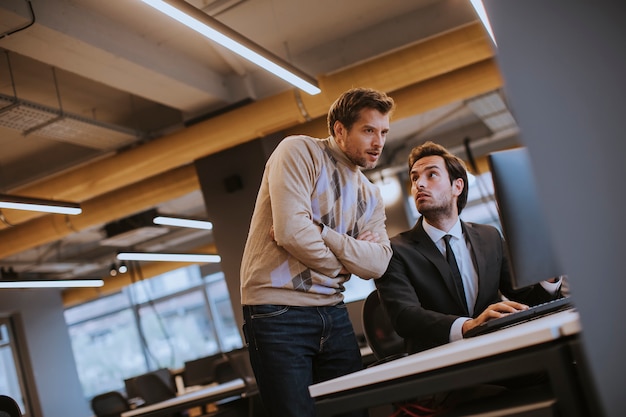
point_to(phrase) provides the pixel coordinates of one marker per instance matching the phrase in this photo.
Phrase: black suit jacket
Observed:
(417, 290)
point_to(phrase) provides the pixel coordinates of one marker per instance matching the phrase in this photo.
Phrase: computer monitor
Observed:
(531, 251)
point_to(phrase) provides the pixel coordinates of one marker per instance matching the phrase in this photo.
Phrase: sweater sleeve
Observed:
(292, 174)
(364, 259)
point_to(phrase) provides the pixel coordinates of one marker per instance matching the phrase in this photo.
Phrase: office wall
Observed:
(564, 67)
(49, 350)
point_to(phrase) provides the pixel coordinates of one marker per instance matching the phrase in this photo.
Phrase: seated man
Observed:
(419, 291)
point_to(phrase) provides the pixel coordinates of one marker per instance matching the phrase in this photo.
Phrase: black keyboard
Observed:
(533, 312)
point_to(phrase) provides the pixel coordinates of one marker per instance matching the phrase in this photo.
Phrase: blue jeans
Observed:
(293, 347)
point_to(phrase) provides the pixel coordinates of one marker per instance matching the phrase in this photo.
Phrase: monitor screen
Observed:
(531, 252)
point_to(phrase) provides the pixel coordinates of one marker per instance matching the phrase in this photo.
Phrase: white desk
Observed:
(191, 399)
(523, 348)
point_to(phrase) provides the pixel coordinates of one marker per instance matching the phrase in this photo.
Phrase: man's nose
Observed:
(379, 140)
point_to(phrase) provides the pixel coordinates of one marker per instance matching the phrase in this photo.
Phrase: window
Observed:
(10, 377)
(154, 323)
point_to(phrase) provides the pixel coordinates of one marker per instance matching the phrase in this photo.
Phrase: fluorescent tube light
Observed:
(66, 283)
(182, 222)
(216, 31)
(482, 14)
(168, 257)
(37, 204)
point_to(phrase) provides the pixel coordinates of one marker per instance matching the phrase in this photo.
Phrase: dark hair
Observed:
(454, 165)
(347, 108)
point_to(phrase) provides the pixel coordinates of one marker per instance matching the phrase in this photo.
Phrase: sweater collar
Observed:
(339, 154)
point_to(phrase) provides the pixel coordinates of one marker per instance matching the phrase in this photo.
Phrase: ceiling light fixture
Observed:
(216, 31)
(168, 257)
(37, 204)
(183, 222)
(66, 283)
(123, 268)
(482, 15)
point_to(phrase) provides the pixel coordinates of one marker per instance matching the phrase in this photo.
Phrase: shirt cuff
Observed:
(456, 330)
(551, 287)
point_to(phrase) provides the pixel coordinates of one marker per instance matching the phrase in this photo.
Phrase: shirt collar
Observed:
(436, 234)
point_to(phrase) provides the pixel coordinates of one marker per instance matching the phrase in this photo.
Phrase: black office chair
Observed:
(385, 343)
(224, 371)
(201, 371)
(239, 360)
(109, 404)
(152, 389)
(9, 407)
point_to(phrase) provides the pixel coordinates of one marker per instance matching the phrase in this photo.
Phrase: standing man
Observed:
(425, 304)
(317, 220)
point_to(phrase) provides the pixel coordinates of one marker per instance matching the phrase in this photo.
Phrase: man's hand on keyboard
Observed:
(494, 311)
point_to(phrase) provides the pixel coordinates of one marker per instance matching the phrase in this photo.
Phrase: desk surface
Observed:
(534, 332)
(208, 394)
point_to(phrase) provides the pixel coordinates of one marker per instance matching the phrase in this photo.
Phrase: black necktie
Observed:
(456, 274)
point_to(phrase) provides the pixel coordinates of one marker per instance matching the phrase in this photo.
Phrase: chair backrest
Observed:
(224, 371)
(109, 404)
(240, 361)
(201, 371)
(152, 389)
(9, 407)
(379, 333)
(163, 373)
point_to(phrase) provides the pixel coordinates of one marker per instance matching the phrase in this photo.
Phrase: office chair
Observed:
(240, 366)
(9, 407)
(109, 404)
(201, 371)
(224, 371)
(385, 343)
(152, 389)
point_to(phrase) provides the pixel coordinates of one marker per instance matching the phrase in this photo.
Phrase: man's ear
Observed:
(457, 186)
(340, 131)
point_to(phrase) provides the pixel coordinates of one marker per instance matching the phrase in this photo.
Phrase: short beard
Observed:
(362, 162)
(434, 214)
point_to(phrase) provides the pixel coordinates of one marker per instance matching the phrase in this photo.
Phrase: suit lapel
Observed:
(429, 250)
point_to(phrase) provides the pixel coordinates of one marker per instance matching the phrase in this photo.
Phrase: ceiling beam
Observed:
(426, 60)
(456, 85)
(143, 177)
(100, 210)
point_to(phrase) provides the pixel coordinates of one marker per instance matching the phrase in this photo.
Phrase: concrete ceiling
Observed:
(147, 97)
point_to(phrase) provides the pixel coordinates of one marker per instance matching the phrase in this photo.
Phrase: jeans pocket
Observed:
(267, 310)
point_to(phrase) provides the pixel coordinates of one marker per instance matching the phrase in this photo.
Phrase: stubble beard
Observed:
(434, 213)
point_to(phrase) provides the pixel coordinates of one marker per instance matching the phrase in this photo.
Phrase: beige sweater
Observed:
(307, 182)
